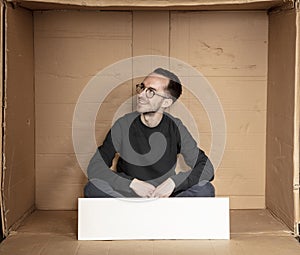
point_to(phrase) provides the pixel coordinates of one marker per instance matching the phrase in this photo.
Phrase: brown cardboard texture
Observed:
(53, 232)
(18, 175)
(249, 56)
(246, 119)
(280, 123)
(152, 5)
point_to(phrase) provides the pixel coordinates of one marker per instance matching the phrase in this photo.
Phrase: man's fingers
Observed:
(158, 192)
(165, 189)
(141, 188)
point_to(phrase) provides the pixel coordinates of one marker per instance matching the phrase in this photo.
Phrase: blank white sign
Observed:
(162, 218)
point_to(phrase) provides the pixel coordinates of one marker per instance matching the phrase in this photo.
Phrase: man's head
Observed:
(174, 87)
(159, 90)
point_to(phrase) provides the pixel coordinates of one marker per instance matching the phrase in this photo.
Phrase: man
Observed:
(148, 142)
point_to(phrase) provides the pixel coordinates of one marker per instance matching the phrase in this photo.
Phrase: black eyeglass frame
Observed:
(141, 87)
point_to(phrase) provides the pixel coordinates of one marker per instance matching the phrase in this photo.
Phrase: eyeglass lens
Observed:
(141, 87)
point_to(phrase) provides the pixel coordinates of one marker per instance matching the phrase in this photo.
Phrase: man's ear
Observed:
(167, 102)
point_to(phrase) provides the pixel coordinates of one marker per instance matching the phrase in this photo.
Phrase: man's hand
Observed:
(141, 188)
(165, 189)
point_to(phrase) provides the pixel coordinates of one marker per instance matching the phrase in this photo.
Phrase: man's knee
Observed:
(205, 189)
(88, 190)
(202, 189)
(91, 191)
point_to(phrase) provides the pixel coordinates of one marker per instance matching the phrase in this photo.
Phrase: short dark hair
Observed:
(174, 87)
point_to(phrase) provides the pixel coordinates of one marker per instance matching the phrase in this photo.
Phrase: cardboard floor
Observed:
(55, 232)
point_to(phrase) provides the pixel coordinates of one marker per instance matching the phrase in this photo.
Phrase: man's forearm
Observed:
(203, 170)
(98, 169)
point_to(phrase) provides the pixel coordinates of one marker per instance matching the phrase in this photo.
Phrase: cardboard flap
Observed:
(281, 109)
(18, 175)
(154, 4)
(1, 103)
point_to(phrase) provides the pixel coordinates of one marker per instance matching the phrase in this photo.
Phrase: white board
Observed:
(162, 218)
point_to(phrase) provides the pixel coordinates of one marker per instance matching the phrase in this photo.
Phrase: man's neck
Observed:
(151, 119)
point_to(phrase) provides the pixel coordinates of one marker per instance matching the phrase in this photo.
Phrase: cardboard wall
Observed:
(280, 121)
(19, 167)
(70, 48)
(229, 48)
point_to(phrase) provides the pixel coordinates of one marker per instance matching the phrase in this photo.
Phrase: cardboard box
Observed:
(247, 50)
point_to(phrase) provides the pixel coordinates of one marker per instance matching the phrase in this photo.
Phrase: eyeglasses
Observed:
(149, 91)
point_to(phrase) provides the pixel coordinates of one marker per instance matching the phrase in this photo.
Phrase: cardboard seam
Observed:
(4, 72)
(296, 128)
(288, 5)
(18, 222)
(265, 233)
(169, 37)
(284, 221)
(34, 105)
(2, 84)
(132, 52)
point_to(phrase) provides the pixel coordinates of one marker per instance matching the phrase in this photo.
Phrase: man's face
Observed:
(157, 83)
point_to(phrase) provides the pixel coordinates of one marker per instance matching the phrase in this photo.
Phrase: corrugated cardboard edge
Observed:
(297, 130)
(153, 4)
(1, 103)
(7, 230)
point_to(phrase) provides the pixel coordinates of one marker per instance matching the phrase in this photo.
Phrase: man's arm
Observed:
(97, 169)
(99, 166)
(195, 158)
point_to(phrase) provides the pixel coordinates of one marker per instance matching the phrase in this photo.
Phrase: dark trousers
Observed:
(102, 189)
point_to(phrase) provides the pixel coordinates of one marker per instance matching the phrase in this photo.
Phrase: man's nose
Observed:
(142, 94)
